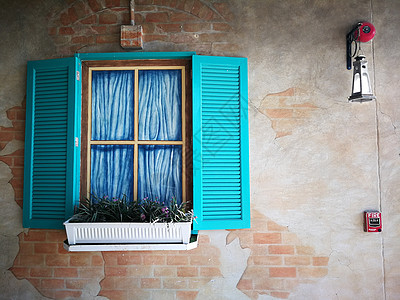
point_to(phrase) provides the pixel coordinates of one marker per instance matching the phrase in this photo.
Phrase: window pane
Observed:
(112, 105)
(160, 105)
(160, 172)
(112, 170)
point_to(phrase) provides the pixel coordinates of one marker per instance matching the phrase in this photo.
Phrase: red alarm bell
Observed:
(366, 32)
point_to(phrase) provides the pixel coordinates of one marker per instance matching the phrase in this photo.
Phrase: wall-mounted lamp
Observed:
(361, 88)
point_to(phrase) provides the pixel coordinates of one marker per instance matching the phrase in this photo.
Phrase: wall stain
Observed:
(287, 110)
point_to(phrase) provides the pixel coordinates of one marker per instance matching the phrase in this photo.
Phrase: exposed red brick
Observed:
(81, 9)
(186, 295)
(83, 259)
(113, 29)
(182, 17)
(175, 284)
(125, 18)
(47, 248)
(245, 284)
(115, 271)
(297, 260)
(126, 283)
(65, 272)
(94, 5)
(197, 5)
(154, 260)
(267, 260)
(66, 30)
(108, 283)
(99, 29)
(304, 250)
(90, 272)
(129, 259)
(187, 271)
(210, 272)
(97, 260)
(150, 283)
(177, 260)
(203, 260)
(157, 17)
(55, 235)
(320, 261)
(52, 283)
(107, 18)
(76, 284)
(281, 249)
(112, 3)
(31, 260)
(103, 39)
(267, 238)
(20, 272)
(6, 136)
(68, 17)
(282, 272)
(165, 272)
(206, 13)
(57, 260)
(5, 159)
(41, 272)
(143, 2)
(90, 20)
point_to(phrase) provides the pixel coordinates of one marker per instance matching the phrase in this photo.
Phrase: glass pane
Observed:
(160, 105)
(112, 170)
(160, 172)
(113, 105)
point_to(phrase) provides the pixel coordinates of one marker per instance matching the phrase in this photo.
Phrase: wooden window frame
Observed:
(162, 64)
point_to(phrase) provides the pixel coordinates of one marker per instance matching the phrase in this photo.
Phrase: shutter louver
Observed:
(49, 153)
(220, 143)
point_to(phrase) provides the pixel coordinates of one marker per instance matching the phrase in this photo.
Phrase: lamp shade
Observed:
(361, 89)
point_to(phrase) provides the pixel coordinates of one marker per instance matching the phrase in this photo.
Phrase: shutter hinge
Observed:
(78, 75)
(76, 142)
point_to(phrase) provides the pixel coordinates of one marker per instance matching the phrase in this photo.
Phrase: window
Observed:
(54, 143)
(136, 122)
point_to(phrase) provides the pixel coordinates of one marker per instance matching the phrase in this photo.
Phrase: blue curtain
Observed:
(113, 105)
(112, 170)
(160, 105)
(160, 172)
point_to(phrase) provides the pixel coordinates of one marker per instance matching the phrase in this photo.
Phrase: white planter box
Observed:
(130, 233)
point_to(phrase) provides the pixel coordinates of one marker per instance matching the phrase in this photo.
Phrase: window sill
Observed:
(131, 247)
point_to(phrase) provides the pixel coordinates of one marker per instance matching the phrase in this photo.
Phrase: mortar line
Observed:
(379, 186)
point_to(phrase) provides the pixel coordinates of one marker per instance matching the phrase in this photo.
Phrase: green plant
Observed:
(104, 209)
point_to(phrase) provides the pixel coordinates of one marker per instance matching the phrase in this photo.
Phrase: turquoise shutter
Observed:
(221, 196)
(52, 145)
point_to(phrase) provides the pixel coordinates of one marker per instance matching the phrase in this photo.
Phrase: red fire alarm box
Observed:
(372, 221)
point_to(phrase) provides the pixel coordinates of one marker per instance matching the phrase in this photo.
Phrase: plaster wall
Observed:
(316, 161)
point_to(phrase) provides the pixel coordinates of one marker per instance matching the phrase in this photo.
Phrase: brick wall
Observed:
(181, 24)
(278, 261)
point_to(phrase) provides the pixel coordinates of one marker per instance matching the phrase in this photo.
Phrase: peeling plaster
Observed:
(233, 263)
(10, 224)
